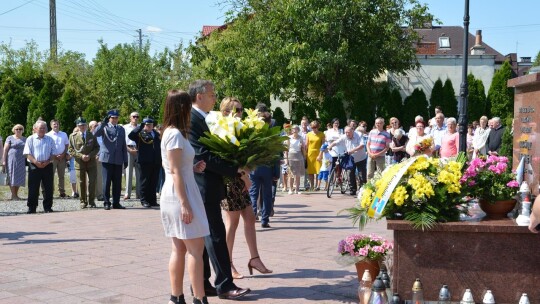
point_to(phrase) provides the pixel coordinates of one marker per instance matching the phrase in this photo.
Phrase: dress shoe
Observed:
(209, 291)
(146, 204)
(49, 210)
(31, 211)
(203, 301)
(100, 198)
(75, 195)
(107, 206)
(265, 225)
(92, 205)
(118, 206)
(154, 204)
(353, 193)
(178, 299)
(234, 294)
(62, 195)
(84, 205)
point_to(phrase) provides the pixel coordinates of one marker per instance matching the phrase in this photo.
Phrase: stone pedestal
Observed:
(526, 132)
(495, 255)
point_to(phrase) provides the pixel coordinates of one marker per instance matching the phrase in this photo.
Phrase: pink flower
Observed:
(513, 184)
(472, 183)
(363, 251)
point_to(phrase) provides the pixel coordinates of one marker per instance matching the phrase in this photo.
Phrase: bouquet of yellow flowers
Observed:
(248, 142)
(422, 190)
(424, 145)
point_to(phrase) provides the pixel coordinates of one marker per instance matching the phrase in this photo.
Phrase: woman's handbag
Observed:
(3, 177)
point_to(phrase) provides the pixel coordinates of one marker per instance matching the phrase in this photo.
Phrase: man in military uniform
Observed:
(84, 147)
(113, 158)
(149, 159)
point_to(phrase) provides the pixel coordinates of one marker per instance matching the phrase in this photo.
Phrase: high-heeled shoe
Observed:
(262, 270)
(178, 299)
(203, 301)
(235, 274)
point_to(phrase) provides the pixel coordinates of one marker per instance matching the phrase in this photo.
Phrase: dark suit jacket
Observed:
(149, 153)
(494, 139)
(210, 182)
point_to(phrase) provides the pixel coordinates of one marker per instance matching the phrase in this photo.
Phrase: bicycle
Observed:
(339, 176)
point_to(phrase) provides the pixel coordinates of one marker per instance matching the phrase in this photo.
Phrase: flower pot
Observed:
(372, 265)
(497, 210)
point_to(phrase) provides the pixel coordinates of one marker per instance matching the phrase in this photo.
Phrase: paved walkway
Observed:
(121, 256)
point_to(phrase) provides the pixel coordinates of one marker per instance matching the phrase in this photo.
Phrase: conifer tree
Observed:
(13, 110)
(437, 96)
(476, 101)
(415, 104)
(449, 102)
(500, 97)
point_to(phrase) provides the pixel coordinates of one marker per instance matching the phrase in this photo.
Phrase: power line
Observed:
(16, 7)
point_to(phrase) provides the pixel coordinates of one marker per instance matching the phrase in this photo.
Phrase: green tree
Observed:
(64, 109)
(44, 104)
(437, 96)
(500, 97)
(14, 104)
(321, 49)
(128, 79)
(476, 101)
(92, 112)
(536, 61)
(415, 104)
(449, 101)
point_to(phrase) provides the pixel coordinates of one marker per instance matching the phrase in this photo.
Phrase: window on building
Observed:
(444, 42)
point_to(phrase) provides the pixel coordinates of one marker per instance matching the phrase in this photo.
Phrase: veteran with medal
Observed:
(83, 146)
(149, 159)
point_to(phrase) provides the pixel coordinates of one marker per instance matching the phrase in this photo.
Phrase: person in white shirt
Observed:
(438, 131)
(132, 157)
(61, 143)
(480, 138)
(332, 135)
(354, 147)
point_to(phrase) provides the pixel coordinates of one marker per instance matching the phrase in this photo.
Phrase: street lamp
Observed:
(464, 88)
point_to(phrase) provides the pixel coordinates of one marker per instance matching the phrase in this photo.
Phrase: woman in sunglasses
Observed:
(238, 203)
(14, 160)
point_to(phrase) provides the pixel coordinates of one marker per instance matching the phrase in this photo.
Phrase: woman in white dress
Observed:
(418, 138)
(182, 210)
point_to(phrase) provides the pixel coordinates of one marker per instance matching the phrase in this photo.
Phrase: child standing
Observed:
(326, 158)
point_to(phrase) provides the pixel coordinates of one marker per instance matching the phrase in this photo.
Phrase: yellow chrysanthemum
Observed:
(400, 195)
(366, 198)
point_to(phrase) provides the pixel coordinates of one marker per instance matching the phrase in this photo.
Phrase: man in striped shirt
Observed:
(377, 145)
(39, 149)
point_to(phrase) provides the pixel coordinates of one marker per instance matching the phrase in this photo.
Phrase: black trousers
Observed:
(149, 179)
(112, 176)
(36, 177)
(361, 168)
(216, 249)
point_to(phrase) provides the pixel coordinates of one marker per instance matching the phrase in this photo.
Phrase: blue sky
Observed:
(506, 26)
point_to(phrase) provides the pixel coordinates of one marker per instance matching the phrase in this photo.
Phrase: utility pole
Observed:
(53, 40)
(140, 39)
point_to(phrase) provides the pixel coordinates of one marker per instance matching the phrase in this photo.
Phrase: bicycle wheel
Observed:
(344, 181)
(331, 183)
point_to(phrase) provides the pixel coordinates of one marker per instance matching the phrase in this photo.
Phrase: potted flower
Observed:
(490, 181)
(365, 251)
(423, 190)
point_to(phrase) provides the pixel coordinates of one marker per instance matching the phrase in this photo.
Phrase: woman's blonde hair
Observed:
(227, 104)
(16, 127)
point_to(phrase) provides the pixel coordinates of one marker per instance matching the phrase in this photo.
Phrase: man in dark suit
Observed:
(148, 146)
(112, 157)
(213, 191)
(84, 147)
(494, 139)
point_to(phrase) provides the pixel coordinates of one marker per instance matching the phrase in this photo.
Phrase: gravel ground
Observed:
(8, 207)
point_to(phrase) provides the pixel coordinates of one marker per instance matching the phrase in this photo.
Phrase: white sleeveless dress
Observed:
(169, 203)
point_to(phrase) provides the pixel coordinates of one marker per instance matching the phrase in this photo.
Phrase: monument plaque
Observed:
(526, 143)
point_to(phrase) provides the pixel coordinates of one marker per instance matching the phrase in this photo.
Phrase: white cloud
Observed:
(153, 29)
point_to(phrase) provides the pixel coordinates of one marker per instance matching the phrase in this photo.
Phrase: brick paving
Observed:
(121, 256)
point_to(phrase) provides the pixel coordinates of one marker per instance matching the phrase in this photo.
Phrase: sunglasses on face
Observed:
(135, 116)
(19, 129)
